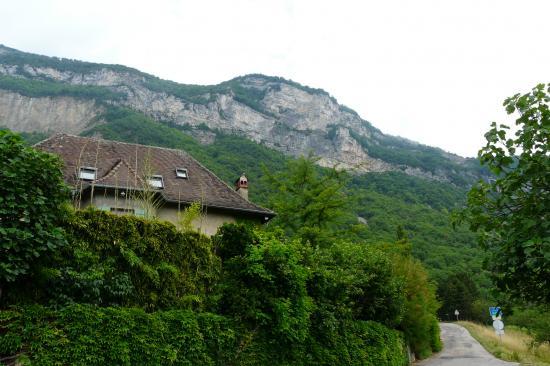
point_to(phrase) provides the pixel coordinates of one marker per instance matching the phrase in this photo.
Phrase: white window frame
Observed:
(182, 173)
(156, 181)
(87, 173)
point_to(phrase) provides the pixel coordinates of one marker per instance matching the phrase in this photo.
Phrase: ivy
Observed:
(32, 194)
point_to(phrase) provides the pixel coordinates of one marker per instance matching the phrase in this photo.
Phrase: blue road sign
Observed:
(495, 311)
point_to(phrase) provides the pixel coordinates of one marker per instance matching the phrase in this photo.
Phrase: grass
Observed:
(516, 345)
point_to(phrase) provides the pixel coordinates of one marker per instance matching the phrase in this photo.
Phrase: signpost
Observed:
(456, 313)
(499, 328)
(495, 312)
(498, 324)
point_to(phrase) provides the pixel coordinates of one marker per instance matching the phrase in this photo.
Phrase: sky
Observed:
(432, 71)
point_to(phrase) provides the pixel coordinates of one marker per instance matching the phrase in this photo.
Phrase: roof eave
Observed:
(266, 213)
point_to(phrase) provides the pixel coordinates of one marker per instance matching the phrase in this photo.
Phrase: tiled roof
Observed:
(125, 165)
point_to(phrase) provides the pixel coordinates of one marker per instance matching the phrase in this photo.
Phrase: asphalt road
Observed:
(460, 349)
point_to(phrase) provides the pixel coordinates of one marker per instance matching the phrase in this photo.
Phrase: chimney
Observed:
(241, 186)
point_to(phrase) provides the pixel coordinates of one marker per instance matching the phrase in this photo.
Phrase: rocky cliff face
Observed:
(278, 113)
(25, 114)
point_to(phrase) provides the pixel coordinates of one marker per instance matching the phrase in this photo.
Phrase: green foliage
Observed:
(434, 242)
(411, 190)
(457, 292)
(535, 319)
(264, 287)
(357, 282)
(32, 194)
(232, 240)
(189, 215)
(45, 88)
(419, 324)
(403, 152)
(511, 212)
(126, 260)
(342, 342)
(309, 205)
(30, 138)
(87, 335)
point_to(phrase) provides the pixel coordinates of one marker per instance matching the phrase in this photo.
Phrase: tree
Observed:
(310, 203)
(263, 286)
(512, 212)
(32, 196)
(457, 292)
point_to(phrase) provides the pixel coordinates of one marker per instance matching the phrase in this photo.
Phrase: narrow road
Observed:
(461, 349)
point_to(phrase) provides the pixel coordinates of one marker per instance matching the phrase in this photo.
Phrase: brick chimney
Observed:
(241, 186)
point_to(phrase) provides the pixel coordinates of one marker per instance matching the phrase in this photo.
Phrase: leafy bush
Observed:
(356, 282)
(420, 324)
(88, 335)
(343, 342)
(32, 194)
(264, 287)
(126, 260)
(535, 319)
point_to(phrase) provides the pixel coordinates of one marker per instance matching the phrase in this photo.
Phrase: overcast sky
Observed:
(432, 71)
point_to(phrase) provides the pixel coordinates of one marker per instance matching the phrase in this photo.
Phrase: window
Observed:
(181, 173)
(156, 181)
(87, 173)
(122, 211)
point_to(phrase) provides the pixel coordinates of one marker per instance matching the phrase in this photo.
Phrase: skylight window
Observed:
(156, 181)
(87, 173)
(182, 173)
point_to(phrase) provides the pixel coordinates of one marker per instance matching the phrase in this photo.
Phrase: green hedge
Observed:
(89, 335)
(123, 261)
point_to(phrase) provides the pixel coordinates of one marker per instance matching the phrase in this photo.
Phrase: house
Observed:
(148, 181)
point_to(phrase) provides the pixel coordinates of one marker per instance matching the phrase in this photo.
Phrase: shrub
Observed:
(87, 335)
(32, 194)
(264, 288)
(535, 319)
(420, 324)
(356, 343)
(128, 261)
(357, 282)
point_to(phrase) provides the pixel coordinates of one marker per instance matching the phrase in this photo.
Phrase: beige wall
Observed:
(208, 225)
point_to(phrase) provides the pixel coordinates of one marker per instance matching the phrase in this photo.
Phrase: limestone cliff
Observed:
(47, 114)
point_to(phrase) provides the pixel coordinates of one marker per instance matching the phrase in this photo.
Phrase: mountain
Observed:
(249, 124)
(49, 94)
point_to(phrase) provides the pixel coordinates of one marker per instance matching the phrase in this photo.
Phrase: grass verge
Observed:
(516, 345)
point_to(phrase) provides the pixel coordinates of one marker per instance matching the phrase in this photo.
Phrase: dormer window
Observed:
(87, 173)
(181, 173)
(156, 181)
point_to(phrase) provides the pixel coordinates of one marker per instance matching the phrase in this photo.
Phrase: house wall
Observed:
(208, 225)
